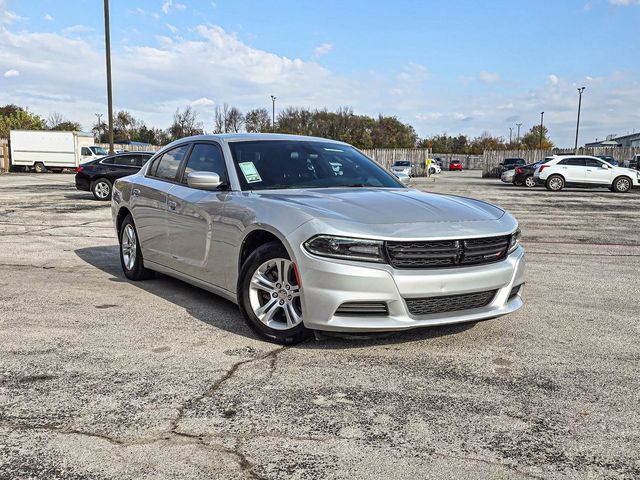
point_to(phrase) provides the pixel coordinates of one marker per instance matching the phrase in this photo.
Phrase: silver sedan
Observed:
(309, 234)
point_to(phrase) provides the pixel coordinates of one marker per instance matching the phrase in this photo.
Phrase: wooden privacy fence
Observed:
(4, 155)
(493, 158)
(386, 156)
(131, 148)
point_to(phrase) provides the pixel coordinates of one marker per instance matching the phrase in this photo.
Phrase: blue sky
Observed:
(454, 66)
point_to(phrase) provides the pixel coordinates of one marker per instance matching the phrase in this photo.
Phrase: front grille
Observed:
(449, 303)
(362, 308)
(447, 253)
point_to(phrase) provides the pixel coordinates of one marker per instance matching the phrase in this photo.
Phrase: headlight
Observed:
(515, 241)
(347, 248)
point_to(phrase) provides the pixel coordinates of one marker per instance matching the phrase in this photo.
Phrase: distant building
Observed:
(632, 140)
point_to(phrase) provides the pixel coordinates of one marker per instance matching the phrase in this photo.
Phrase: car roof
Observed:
(247, 137)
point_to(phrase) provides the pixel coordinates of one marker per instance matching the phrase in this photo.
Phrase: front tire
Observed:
(555, 183)
(101, 189)
(622, 185)
(270, 296)
(131, 253)
(40, 168)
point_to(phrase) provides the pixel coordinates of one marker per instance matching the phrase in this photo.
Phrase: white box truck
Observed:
(43, 150)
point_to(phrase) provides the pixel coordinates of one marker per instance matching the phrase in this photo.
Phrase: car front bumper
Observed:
(328, 283)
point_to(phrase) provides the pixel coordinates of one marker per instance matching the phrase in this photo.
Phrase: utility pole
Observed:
(541, 128)
(510, 134)
(580, 90)
(273, 113)
(518, 125)
(107, 41)
(99, 115)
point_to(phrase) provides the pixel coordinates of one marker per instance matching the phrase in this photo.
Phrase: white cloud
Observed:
(11, 73)
(7, 16)
(624, 3)
(166, 6)
(488, 77)
(321, 50)
(180, 6)
(553, 79)
(173, 29)
(78, 29)
(203, 101)
(48, 17)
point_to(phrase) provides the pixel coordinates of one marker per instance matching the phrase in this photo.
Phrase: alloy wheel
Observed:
(529, 182)
(622, 185)
(129, 244)
(555, 183)
(102, 189)
(275, 295)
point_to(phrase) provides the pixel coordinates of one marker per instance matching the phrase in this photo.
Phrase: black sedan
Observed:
(97, 176)
(524, 174)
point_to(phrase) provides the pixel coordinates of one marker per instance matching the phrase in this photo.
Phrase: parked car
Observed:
(438, 160)
(507, 176)
(264, 221)
(634, 163)
(434, 168)
(455, 165)
(609, 159)
(402, 166)
(511, 163)
(584, 171)
(523, 176)
(97, 176)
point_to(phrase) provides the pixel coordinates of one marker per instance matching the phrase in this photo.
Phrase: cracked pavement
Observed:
(101, 378)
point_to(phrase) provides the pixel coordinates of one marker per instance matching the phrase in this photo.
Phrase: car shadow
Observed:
(221, 313)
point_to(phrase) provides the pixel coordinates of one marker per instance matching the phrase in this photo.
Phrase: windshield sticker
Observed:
(250, 172)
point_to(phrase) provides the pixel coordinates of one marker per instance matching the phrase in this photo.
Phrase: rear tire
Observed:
(269, 296)
(529, 182)
(101, 189)
(130, 252)
(621, 185)
(555, 183)
(40, 168)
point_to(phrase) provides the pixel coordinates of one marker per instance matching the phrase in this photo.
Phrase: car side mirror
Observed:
(204, 180)
(605, 166)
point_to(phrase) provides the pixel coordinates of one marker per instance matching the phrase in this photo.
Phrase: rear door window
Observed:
(574, 162)
(167, 166)
(126, 160)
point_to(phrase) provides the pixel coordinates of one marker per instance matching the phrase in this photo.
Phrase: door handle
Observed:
(135, 192)
(171, 205)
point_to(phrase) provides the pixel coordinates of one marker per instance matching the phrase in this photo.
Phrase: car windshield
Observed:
(276, 164)
(99, 151)
(402, 163)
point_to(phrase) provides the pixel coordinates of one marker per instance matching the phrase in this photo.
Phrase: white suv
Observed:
(585, 171)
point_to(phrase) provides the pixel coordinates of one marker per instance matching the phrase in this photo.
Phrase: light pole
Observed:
(580, 90)
(273, 113)
(510, 135)
(518, 138)
(107, 41)
(99, 115)
(541, 128)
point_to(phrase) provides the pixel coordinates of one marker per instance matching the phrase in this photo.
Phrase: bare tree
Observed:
(257, 120)
(219, 119)
(185, 124)
(54, 119)
(235, 120)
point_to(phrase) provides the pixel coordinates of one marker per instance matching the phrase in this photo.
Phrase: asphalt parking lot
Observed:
(101, 378)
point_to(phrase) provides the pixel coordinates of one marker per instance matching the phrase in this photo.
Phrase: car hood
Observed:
(387, 212)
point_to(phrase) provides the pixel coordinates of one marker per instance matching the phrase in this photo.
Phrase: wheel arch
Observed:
(622, 175)
(258, 236)
(122, 214)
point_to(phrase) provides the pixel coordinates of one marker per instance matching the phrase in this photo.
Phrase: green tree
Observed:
(531, 139)
(389, 132)
(13, 117)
